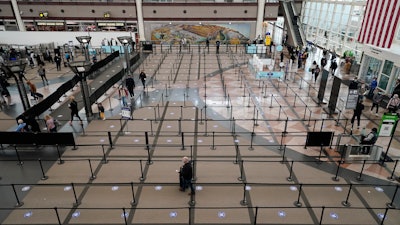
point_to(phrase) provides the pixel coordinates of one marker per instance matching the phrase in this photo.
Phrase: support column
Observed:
(139, 13)
(260, 18)
(20, 23)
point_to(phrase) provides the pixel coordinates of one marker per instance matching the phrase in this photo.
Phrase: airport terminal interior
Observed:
(231, 85)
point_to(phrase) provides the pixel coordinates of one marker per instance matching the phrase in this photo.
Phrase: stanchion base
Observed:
(289, 179)
(149, 162)
(183, 148)
(251, 148)
(213, 148)
(347, 204)
(19, 204)
(335, 179)
(235, 162)
(297, 204)
(104, 161)
(243, 202)
(240, 179)
(133, 203)
(74, 148)
(192, 203)
(359, 178)
(92, 177)
(20, 163)
(60, 162)
(391, 178)
(142, 178)
(44, 178)
(390, 205)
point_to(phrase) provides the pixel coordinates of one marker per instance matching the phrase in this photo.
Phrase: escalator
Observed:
(296, 37)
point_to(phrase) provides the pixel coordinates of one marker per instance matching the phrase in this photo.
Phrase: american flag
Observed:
(380, 22)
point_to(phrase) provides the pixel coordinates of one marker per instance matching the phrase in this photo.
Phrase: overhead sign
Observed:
(269, 74)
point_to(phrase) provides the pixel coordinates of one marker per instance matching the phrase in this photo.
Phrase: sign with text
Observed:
(126, 113)
(388, 124)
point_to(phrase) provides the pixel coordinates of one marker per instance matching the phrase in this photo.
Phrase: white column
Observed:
(260, 18)
(139, 13)
(20, 23)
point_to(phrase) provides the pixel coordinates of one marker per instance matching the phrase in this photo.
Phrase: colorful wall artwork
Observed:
(197, 34)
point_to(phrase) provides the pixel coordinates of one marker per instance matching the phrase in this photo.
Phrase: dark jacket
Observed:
(129, 82)
(359, 108)
(186, 171)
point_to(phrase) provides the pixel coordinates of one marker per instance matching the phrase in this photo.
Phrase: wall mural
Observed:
(197, 34)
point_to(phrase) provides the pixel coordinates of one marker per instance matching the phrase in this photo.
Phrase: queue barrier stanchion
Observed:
(19, 163)
(241, 178)
(19, 203)
(110, 140)
(359, 177)
(142, 177)
(251, 141)
(297, 203)
(391, 204)
(283, 154)
(391, 178)
(244, 200)
(133, 202)
(77, 202)
(149, 162)
(105, 161)
(183, 141)
(384, 216)
(346, 202)
(124, 214)
(322, 215)
(335, 178)
(57, 215)
(290, 178)
(60, 161)
(92, 176)
(44, 177)
(212, 147)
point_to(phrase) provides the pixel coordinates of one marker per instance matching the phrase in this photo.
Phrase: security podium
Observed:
(354, 153)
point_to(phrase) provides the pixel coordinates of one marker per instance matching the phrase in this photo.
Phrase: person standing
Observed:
(357, 113)
(50, 124)
(73, 106)
(372, 86)
(4, 91)
(123, 95)
(334, 66)
(393, 104)
(142, 77)
(130, 85)
(217, 43)
(396, 89)
(57, 59)
(186, 176)
(376, 100)
(207, 43)
(42, 73)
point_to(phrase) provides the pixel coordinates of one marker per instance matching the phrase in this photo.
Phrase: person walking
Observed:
(357, 113)
(130, 85)
(123, 94)
(317, 70)
(73, 106)
(217, 43)
(142, 77)
(186, 176)
(50, 124)
(393, 104)
(33, 89)
(42, 73)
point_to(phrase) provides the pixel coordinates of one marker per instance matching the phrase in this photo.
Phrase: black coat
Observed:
(186, 171)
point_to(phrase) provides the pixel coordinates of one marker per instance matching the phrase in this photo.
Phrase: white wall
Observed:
(59, 38)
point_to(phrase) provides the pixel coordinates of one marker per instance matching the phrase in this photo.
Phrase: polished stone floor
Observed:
(246, 138)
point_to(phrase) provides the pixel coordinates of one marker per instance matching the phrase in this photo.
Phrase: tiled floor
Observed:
(246, 138)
